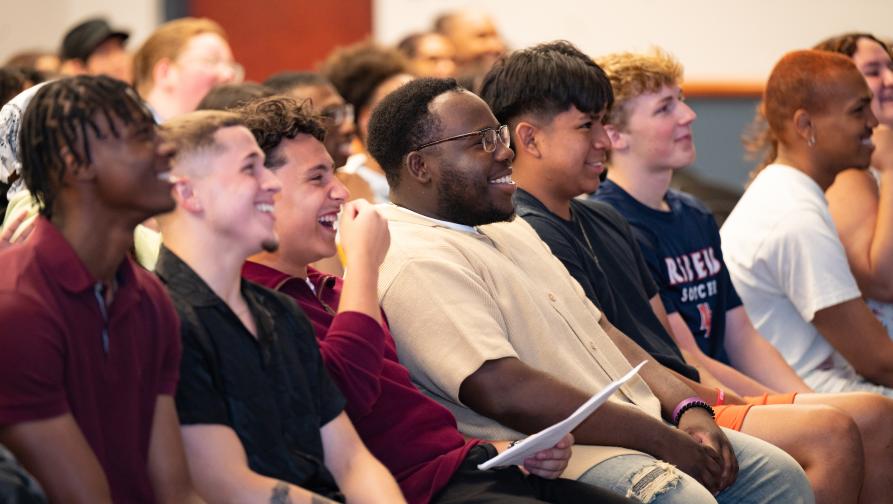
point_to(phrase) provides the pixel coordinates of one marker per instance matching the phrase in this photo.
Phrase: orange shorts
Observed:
(731, 416)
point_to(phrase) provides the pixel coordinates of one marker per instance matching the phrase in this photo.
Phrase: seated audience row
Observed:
(222, 389)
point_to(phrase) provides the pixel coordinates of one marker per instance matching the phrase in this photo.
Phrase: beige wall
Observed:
(715, 39)
(40, 24)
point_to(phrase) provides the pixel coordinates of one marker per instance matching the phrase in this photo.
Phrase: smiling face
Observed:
(130, 168)
(573, 147)
(875, 64)
(473, 187)
(843, 129)
(234, 191)
(658, 130)
(311, 198)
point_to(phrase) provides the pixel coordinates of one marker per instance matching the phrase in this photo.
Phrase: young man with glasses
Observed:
(492, 326)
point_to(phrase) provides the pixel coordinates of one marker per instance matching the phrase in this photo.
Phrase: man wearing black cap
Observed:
(95, 48)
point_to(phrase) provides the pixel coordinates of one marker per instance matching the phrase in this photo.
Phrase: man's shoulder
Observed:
(687, 204)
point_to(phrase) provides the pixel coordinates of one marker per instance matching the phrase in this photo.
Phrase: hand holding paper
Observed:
(550, 436)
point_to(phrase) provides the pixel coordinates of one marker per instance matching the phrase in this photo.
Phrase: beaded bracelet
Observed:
(687, 404)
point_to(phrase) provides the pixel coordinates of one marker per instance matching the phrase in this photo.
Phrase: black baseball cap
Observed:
(83, 39)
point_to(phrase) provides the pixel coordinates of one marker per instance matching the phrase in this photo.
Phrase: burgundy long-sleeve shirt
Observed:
(413, 436)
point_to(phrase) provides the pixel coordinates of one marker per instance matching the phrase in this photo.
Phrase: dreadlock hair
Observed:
(276, 118)
(58, 121)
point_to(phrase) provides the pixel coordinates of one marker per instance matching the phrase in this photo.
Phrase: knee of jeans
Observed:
(653, 480)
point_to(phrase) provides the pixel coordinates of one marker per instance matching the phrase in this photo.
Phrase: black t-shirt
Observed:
(598, 250)
(273, 390)
(683, 251)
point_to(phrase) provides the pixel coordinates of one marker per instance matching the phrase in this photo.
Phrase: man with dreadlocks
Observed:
(90, 348)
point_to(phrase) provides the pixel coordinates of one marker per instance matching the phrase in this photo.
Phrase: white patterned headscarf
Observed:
(10, 124)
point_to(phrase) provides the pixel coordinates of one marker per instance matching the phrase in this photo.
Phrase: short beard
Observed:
(455, 204)
(271, 245)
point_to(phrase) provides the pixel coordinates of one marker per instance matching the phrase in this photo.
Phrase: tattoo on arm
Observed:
(280, 494)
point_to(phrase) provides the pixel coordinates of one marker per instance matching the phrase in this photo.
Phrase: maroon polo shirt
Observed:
(62, 355)
(413, 436)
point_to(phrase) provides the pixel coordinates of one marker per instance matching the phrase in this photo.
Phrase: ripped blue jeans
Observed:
(765, 474)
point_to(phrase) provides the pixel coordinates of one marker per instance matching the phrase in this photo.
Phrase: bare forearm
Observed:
(368, 481)
(762, 361)
(528, 400)
(881, 252)
(733, 379)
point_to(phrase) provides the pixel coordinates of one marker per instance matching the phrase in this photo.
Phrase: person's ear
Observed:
(75, 171)
(619, 140)
(163, 71)
(186, 196)
(417, 167)
(804, 126)
(526, 135)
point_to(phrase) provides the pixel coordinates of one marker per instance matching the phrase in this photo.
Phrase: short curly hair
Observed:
(403, 121)
(356, 71)
(635, 74)
(276, 118)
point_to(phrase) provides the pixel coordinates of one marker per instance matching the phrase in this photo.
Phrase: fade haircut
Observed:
(194, 133)
(546, 80)
(802, 80)
(274, 119)
(167, 41)
(356, 71)
(58, 121)
(284, 82)
(230, 96)
(403, 121)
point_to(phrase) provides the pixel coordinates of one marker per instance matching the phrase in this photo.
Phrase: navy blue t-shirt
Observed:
(682, 250)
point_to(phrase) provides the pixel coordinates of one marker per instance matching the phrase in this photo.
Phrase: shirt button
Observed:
(592, 346)
(552, 297)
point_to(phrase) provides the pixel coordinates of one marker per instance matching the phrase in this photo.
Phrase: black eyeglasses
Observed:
(489, 138)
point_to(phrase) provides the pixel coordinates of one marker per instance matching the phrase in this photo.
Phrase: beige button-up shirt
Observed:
(457, 298)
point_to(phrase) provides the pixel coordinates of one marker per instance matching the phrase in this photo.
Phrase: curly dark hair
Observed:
(403, 121)
(276, 118)
(356, 71)
(546, 80)
(59, 118)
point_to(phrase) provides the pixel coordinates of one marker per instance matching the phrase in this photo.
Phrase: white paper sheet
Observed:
(550, 436)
